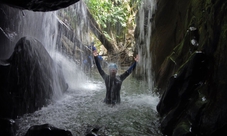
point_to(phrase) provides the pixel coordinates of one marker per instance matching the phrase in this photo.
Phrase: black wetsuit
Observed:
(113, 85)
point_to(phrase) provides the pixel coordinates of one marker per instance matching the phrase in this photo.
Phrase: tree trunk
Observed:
(94, 27)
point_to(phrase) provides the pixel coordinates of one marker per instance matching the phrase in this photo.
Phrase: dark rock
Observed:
(39, 5)
(30, 80)
(7, 127)
(182, 84)
(183, 129)
(47, 130)
(179, 98)
(189, 44)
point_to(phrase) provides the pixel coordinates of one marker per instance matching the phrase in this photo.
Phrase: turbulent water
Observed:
(82, 109)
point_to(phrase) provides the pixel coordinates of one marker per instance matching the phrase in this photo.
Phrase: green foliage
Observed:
(105, 11)
(114, 15)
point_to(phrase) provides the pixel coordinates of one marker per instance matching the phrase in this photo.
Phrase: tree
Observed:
(116, 19)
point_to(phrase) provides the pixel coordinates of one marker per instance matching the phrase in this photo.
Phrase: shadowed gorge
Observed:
(182, 45)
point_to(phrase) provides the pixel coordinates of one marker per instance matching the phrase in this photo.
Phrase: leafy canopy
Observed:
(115, 17)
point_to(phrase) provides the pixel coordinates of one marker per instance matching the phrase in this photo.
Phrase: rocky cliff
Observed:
(189, 61)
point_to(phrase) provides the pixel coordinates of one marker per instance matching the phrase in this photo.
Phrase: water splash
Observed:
(82, 105)
(74, 75)
(80, 109)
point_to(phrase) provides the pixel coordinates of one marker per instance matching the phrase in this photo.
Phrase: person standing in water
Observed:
(113, 81)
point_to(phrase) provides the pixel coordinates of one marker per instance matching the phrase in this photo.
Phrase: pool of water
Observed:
(81, 110)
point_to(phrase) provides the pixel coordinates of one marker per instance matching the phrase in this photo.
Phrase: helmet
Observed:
(93, 48)
(112, 66)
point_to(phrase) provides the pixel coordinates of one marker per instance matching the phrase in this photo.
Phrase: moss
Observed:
(183, 128)
(201, 14)
(208, 79)
(175, 44)
(172, 59)
(203, 97)
(195, 16)
(180, 52)
(224, 33)
(185, 63)
(176, 52)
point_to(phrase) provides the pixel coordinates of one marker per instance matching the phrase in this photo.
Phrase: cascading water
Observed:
(81, 108)
(39, 25)
(43, 27)
(143, 42)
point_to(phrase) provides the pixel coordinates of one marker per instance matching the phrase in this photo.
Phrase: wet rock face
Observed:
(28, 82)
(39, 5)
(182, 95)
(190, 65)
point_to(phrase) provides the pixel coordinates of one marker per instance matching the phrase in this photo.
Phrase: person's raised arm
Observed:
(131, 68)
(101, 72)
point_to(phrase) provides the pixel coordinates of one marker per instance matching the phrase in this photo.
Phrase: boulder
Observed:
(47, 130)
(30, 80)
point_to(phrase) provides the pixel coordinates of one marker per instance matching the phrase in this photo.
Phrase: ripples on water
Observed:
(81, 110)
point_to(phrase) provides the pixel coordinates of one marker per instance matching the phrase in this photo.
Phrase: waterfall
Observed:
(144, 29)
(75, 36)
(45, 27)
(42, 26)
(81, 107)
